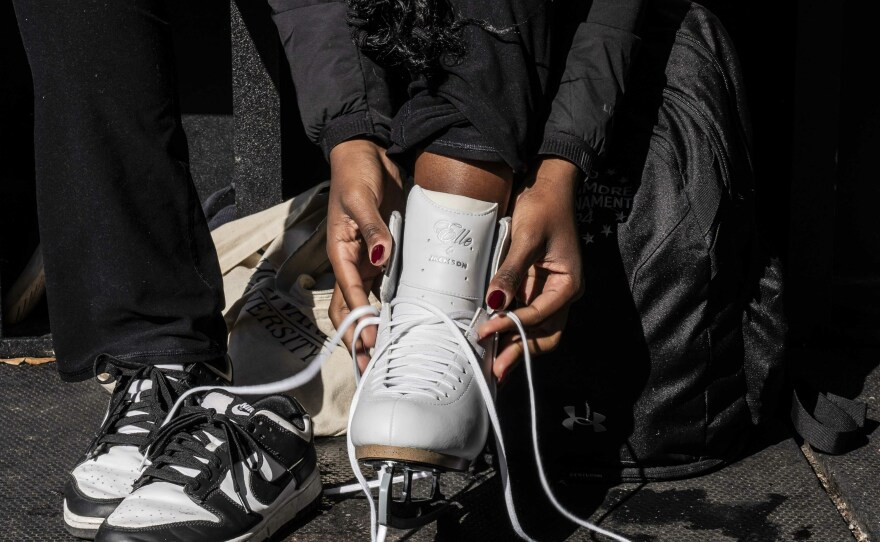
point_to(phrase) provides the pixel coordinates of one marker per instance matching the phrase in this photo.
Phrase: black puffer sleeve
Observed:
(593, 81)
(340, 92)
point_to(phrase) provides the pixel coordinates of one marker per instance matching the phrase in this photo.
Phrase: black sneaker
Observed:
(140, 399)
(222, 471)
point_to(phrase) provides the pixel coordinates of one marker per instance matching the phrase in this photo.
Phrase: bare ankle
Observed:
(486, 181)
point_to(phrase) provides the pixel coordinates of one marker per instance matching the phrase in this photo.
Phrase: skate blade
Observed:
(405, 510)
(425, 459)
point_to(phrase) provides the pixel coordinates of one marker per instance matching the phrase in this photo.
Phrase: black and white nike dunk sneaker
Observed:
(223, 470)
(141, 397)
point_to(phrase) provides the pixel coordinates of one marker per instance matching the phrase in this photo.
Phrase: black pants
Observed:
(130, 267)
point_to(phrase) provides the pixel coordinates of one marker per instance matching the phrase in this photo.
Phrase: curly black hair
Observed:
(419, 35)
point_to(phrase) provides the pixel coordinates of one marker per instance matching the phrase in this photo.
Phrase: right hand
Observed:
(365, 187)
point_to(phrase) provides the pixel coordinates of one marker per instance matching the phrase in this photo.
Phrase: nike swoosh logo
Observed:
(242, 409)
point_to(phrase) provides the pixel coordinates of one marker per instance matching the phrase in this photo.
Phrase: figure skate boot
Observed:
(419, 407)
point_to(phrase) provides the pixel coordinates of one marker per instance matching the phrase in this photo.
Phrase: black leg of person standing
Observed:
(133, 283)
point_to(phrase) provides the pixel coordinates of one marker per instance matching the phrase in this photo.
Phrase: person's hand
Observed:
(365, 187)
(542, 269)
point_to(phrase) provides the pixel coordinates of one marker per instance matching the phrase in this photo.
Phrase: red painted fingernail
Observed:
(377, 253)
(496, 300)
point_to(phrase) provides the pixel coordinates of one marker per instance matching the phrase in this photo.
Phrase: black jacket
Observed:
(547, 85)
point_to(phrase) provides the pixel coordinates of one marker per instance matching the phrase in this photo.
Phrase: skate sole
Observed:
(300, 502)
(426, 458)
(81, 526)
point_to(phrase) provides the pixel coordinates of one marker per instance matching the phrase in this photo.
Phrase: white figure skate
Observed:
(419, 407)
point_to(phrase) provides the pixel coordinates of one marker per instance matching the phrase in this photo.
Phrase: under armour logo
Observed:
(593, 419)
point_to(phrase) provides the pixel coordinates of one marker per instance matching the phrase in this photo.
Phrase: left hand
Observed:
(542, 269)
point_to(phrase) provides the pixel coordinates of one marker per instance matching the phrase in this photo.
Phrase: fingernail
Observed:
(501, 379)
(496, 300)
(377, 253)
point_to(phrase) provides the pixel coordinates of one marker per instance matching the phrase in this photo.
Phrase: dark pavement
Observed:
(771, 495)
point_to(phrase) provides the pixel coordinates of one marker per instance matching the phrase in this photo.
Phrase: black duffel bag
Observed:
(675, 353)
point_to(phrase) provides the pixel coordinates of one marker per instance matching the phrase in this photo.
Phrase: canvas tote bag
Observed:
(278, 283)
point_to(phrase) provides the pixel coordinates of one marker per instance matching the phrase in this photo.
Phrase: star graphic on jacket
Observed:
(621, 216)
(606, 230)
(588, 238)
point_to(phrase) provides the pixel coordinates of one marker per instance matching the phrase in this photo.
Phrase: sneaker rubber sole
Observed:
(298, 502)
(81, 526)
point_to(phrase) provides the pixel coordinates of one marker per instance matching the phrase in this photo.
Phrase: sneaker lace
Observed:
(140, 413)
(180, 443)
(460, 336)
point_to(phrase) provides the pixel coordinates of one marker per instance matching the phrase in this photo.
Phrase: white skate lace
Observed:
(422, 355)
(458, 336)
